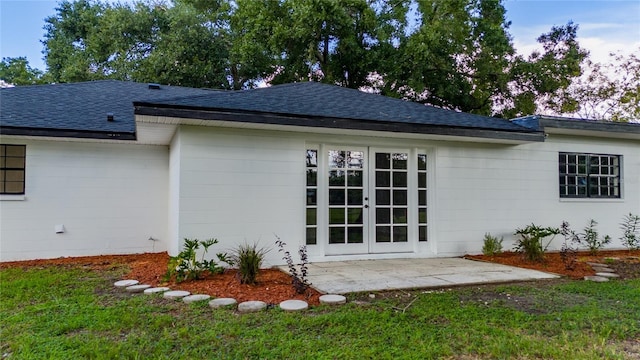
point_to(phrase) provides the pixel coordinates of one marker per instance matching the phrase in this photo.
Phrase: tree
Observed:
(541, 82)
(454, 54)
(170, 43)
(461, 57)
(16, 71)
(294, 40)
(608, 91)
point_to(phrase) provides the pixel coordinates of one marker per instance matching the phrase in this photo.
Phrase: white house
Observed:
(112, 167)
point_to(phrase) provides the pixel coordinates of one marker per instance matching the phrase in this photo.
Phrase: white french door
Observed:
(347, 208)
(391, 201)
(370, 200)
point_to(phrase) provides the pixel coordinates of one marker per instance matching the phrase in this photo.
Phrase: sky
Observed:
(605, 26)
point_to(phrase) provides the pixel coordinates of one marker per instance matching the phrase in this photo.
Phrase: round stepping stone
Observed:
(251, 306)
(175, 294)
(156, 290)
(607, 275)
(222, 303)
(294, 305)
(125, 283)
(333, 299)
(194, 298)
(603, 269)
(137, 288)
(596, 278)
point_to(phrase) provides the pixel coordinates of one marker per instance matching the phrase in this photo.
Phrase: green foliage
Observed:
(491, 245)
(16, 71)
(144, 42)
(454, 54)
(531, 241)
(248, 259)
(609, 91)
(186, 266)
(591, 238)
(569, 250)
(631, 231)
(300, 272)
(74, 313)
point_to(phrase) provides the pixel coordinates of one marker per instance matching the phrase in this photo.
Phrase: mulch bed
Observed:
(628, 262)
(273, 287)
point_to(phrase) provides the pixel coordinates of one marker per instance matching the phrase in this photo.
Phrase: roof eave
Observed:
(335, 123)
(66, 133)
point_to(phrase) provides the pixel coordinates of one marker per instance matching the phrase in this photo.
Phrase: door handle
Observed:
(366, 206)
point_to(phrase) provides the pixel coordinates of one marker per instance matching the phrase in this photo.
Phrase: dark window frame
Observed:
(589, 175)
(8, 165)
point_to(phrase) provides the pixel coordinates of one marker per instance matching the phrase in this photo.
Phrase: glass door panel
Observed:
(346, 171)
(391, 202)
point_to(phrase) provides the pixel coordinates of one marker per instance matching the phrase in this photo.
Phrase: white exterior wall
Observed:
(496, 189)
(245, 186)
(239, 187)
(111, 198)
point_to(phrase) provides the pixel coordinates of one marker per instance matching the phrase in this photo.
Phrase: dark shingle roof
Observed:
(79, 109)
(542, 122)
(312, 99)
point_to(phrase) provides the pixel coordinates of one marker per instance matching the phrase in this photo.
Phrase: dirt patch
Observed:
(273, 287)
(627, 262)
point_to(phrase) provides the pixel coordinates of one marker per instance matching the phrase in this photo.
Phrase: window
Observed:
(422, 197)
(12, 159)
(312, 196)
(589, 175)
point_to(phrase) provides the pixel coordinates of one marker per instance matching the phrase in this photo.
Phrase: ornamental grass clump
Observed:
(531, 241)
(248, 259)
(492, 245)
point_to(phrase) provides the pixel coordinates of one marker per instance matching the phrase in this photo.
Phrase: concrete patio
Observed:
(342, 277)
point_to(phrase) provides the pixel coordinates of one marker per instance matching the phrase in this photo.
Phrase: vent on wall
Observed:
(109, 116)
(154, 86)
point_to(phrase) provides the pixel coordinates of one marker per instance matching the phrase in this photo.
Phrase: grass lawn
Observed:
(76, 313)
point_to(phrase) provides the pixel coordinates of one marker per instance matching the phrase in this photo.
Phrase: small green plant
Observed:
(631, 232)
(298, 272)
(185, 265)
(591, 238)
(530, 241)
(569, 249)
(491, 245)
(248, 259)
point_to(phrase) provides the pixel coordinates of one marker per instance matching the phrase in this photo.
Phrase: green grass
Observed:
(67, 313)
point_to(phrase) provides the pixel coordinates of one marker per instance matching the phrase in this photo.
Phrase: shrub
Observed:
(185, 266)
(591, 238)
(491, 245)
(569, 249)
(299, 279)
(248, 259)
(631, 231)
(530, 241)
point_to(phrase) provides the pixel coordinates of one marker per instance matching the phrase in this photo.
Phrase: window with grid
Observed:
(589, 175)
(12, 164)
(312, 196)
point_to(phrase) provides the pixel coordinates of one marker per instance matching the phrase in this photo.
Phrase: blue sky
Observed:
(605, 25)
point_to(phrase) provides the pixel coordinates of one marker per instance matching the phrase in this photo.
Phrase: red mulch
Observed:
(274, 286)
(553, 263)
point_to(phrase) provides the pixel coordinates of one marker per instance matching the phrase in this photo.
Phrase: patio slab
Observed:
(344, 277)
